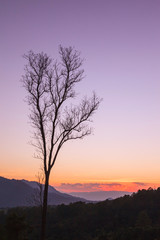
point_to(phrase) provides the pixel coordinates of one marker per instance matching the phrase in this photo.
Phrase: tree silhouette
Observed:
(16, 227)
(143, 220)
(50, 85)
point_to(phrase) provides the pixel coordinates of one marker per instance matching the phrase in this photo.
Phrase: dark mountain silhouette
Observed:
(14, 193)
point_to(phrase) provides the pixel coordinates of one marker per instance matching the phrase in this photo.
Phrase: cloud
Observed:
(68, 185)
(140, 184)
(87, 186)
(111, 184)
(102, 186)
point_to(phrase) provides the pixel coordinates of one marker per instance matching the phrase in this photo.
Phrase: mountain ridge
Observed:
(15, 193)
(18, 193)
(100, 195)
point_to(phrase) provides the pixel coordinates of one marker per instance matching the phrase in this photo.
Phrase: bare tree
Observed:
(50, 84)
(39, 192)
(36, 199)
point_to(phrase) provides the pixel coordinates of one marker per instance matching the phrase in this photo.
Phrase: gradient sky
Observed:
(120, 42)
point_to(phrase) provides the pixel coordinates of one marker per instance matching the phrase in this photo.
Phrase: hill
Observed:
(135, 217)
(16, 193)
(100, 195)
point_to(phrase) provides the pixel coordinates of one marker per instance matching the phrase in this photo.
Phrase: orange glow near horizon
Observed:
(89, 186)
(107, 186)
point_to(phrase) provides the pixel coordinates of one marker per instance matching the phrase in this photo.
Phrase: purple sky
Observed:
(120, 42)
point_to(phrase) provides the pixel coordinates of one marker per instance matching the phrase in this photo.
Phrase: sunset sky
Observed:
(120, 43)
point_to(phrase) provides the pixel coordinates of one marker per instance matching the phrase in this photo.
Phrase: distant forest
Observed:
(134, 217)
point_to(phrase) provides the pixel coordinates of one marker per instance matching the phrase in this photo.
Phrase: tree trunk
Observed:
(44, 208)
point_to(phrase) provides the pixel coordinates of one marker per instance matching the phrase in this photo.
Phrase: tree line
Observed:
(129, 217)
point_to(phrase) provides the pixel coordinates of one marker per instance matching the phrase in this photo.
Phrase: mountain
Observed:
(14, 193)
(100, 195)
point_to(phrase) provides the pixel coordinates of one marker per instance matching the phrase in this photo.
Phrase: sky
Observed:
(119, 42)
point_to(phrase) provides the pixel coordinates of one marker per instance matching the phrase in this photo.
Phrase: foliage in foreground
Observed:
(126, 218)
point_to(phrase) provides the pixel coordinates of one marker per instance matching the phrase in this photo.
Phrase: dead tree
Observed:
(50, 87)
(36, 198)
